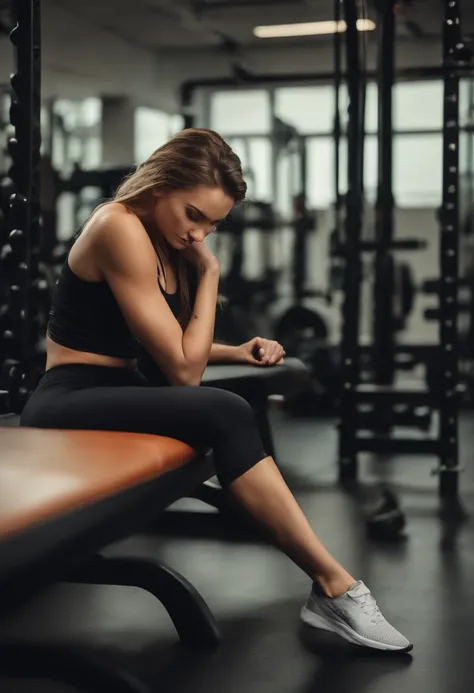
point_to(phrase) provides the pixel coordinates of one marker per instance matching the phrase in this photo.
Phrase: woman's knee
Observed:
(229, 409)
(237, 443)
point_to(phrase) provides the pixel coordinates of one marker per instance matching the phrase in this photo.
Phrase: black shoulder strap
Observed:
(162, 267)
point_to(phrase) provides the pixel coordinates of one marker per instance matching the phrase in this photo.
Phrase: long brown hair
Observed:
(192, 157)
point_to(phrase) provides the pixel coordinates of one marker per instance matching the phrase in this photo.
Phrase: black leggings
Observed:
(88, 397)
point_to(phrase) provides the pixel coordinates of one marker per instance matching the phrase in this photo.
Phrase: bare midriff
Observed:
(58, 355)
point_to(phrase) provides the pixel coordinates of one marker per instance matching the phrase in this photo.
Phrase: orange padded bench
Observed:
(65, 496)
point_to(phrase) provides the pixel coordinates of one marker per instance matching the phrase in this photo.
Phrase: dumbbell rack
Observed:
(353, 439)
(18, 330)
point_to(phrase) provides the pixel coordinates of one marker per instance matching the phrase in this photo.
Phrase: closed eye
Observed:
(197, 216)
(193, 215)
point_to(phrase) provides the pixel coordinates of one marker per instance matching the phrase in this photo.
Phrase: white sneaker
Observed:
(356, 617)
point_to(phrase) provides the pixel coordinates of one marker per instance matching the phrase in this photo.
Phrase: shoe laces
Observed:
(369, 606)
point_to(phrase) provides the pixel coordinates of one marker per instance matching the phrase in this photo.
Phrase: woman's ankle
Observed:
(334, 585)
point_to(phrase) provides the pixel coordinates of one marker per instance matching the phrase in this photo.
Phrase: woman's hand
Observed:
(262, 352)
(202, 258)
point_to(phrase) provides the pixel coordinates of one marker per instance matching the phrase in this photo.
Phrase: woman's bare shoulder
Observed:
(118, 236)
(113, 222)
(111, 213)
(113, 233)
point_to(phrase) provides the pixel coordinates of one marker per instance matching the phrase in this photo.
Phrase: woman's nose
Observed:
(197, 235)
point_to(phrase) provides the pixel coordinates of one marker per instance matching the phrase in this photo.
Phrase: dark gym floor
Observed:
(424, 586)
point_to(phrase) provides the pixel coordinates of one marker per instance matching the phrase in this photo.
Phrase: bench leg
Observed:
(187, 609)
(88, 671)
(212, 494)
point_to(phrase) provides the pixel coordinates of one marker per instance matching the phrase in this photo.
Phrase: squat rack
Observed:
(19, 325)
(352, 251)
(453, 53)
(382, 393)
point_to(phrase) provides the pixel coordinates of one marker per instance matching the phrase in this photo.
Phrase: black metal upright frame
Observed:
(449, 258)
(352, 265)
(23, 217)
(338, 204)
(383, 320)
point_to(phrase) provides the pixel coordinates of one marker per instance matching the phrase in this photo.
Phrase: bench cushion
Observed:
(66, 495)
(44, 473)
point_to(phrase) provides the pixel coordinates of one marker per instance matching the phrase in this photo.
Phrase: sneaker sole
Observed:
(344, 631)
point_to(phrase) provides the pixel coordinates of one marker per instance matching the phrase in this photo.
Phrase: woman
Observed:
(126, 281)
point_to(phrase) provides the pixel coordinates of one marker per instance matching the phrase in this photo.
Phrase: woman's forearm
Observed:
(198, 336)
(223, 353)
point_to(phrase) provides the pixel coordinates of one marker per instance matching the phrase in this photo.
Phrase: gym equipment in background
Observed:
(303, 330)
(20, 324)
(302, 325)
(384, 519)
(382, 394)
(246, 301)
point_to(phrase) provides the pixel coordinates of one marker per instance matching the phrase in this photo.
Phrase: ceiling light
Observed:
(309, 28)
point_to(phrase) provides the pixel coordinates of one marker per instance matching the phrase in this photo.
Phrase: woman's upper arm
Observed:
(128, 262)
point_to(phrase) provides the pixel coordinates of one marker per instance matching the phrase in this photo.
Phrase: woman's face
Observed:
(184, 217)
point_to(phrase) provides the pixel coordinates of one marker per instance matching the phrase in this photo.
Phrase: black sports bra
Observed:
(86, 316)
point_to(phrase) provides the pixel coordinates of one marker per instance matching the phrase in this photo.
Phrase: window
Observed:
(240, 112)
(418, 105)
(417, 172)
(261, 168)
(284, 186)
(90, 112)
(321, 187)
(309, 109)
(466, 152)
(91, 153)
(152, 130)
(66, 225)
(371, 107)
(59, 157)
(176, 124)
(74, 154)
(466, 102)
(240, 146)
(69, 112)
(86, 201)
(255, 154)
(371, 168)
(76, 135)
(321, 191)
